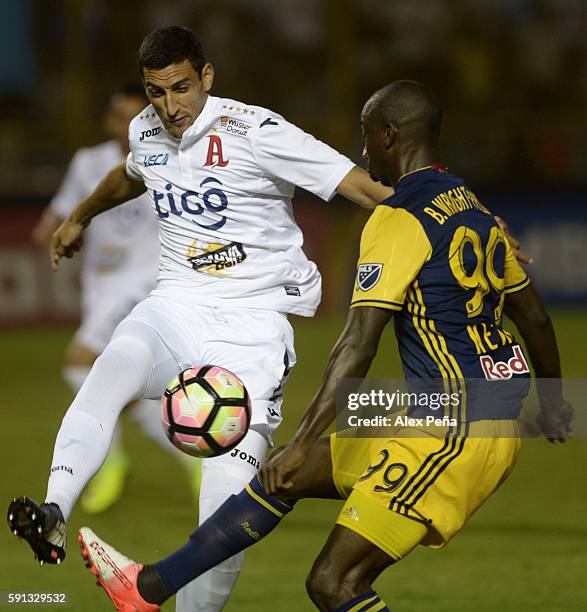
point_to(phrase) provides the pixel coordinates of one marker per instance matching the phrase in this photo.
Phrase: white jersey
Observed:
(222, 193)
(121, 246)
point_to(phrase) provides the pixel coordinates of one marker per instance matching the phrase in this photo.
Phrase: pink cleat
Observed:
(116, 573)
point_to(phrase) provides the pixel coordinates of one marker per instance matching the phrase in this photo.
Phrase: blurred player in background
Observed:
(119, 269)
(435, 259)
(221, 175)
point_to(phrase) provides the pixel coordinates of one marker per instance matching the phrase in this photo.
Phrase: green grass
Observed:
(524, 550)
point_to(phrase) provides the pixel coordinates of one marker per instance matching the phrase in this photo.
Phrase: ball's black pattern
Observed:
(200, 379)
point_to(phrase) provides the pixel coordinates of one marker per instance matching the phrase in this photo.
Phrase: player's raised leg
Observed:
(90, 340)
(106, 487)
(136, 363)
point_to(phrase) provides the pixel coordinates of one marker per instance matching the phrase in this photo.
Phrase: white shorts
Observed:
(257, 345)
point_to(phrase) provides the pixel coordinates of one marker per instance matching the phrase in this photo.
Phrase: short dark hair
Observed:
(406, 104)
(170, 45)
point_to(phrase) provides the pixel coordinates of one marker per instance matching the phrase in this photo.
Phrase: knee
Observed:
(119, 375)
(318, 586)
(127, 355)
(125, 347)
(327, 587)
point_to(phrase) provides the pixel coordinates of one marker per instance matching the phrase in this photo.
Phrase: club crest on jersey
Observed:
(215, 157)
(368, 276)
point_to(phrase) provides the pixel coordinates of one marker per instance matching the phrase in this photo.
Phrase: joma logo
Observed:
(150, 133)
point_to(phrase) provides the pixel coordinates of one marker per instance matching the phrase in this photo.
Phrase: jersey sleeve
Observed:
(394, 247)
(515, 277)
(132, 169)
(287, 152)
(71, 191)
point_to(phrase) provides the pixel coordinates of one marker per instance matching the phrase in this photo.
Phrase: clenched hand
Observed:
(66, 242)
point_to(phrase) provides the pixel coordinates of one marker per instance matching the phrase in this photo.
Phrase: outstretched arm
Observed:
(358, 187)
(351, 357)
(114, 190)
(526, 310)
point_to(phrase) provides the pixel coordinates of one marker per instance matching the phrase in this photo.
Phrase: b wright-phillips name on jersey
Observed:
(225, 257)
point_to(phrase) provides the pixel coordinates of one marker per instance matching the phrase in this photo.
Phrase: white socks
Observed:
(210, 591)
(80, 449)
(221, 477)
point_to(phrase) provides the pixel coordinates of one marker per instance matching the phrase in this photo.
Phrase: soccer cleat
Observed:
(115, 572)
(105, 489)
(43, 527)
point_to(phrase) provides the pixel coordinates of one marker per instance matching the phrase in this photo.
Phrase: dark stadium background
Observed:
(512, 77)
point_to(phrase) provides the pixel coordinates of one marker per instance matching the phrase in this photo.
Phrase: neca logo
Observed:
(504, 370)
(156, 159)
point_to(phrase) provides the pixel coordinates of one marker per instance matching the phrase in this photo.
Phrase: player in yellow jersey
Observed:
(434, 258)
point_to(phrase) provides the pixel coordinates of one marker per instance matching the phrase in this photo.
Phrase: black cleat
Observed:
(43, 527)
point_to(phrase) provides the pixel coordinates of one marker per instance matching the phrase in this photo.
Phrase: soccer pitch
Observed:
(524, 550)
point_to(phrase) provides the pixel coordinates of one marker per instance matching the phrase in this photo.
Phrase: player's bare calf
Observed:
(43, 527)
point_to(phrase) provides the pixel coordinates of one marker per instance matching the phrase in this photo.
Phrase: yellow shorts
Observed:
(436, 481)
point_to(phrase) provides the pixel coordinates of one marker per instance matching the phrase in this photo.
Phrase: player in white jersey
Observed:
(119, 269)
(220, 176)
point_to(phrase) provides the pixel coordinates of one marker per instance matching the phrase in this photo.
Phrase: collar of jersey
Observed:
(430, 167)
(202, 120)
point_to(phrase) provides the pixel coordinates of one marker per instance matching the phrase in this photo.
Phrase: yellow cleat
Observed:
(106, 487)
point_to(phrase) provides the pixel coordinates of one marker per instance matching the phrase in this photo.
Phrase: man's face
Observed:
(178, 94)
(374, 149)
(120, 113)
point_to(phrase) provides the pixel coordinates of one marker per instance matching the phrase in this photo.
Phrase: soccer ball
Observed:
(206, 411)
